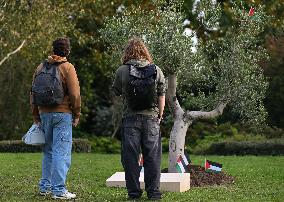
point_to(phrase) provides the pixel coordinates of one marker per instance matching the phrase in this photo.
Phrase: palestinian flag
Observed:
(183, 163)
(212, 166)
(186, 157)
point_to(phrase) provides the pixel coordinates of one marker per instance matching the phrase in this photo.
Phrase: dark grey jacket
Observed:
(120, 84)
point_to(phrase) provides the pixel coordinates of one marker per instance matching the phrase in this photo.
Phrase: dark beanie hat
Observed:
(61, 47)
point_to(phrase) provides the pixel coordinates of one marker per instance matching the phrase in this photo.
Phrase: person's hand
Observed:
(75, 122)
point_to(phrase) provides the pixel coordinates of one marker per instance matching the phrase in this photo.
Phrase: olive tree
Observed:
(221, 72)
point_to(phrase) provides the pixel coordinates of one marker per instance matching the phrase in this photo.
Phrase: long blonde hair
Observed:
(136, 49)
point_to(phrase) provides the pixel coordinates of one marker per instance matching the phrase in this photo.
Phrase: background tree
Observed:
(93, 69)
(223, 72)
(83, 19)
(36, 23)
(270, 38)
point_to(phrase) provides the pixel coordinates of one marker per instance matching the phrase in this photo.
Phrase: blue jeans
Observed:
(56, 160)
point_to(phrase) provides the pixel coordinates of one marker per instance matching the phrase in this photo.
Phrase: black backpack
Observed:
(141, 89)
(47, 88)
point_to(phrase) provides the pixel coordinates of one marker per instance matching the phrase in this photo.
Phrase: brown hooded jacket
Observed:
(72, 98)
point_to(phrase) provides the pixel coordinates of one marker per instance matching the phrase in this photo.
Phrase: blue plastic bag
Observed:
(34, 136)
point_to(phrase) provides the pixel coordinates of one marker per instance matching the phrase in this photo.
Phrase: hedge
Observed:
(105, 145)
(95, 144)
(18, 146)
(112, 145)
(245, 148)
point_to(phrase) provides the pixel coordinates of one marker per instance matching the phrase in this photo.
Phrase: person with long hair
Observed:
(142, 86)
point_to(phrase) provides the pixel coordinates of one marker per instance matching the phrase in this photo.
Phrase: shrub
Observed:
(275, 147)
(273, 132)
(81, 146)
(18, 146)
(201, 130)
(112, 145)
(105, 145)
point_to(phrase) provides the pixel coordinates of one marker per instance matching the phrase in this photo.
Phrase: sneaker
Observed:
(67, 195)
(44, 193)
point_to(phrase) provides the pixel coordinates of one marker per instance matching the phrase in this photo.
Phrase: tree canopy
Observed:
(224, 69)
(29, 21)
(221, 53)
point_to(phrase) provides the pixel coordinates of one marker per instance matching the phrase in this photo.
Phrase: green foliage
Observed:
(88, 174)
(273, 132)
(81, 145)
(206, 131)
(39, 23)
(105, 145)
(203, 136)
(272, 147)
(161, 31)
(165, 144)
(91, 63)
(222, 70)
(274, 9)
(113, 146)
(18, 146)
(275, 72)
(227, 70)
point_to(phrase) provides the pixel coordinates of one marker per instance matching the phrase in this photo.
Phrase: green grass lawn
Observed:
(257, 179)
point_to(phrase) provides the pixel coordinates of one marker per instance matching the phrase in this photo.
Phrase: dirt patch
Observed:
(199, 177)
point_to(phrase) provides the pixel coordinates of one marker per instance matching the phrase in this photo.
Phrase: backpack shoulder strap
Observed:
(42, 69)
(55, 70)
(151, 70)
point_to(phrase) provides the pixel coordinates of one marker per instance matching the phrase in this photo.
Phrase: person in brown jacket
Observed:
(56, 120)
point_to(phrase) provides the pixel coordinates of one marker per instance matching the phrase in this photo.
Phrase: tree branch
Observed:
(195, 115)
(171, 98)
(11, 53)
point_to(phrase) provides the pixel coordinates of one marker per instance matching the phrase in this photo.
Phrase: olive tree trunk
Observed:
(182, 120)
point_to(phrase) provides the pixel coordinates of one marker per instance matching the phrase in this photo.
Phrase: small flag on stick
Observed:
(212, 166)
(186, 156)
(183, 163)
(179, 166)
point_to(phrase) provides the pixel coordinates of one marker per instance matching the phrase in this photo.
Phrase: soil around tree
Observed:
(200, 178)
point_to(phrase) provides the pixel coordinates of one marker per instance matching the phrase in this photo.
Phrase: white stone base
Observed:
(172, 182)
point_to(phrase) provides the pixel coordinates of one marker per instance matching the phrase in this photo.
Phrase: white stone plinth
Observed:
(172, 182)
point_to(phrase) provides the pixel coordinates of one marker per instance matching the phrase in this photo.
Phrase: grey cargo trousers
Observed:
(141, 132)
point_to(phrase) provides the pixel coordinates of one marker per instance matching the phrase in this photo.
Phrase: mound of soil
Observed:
(199, 177)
